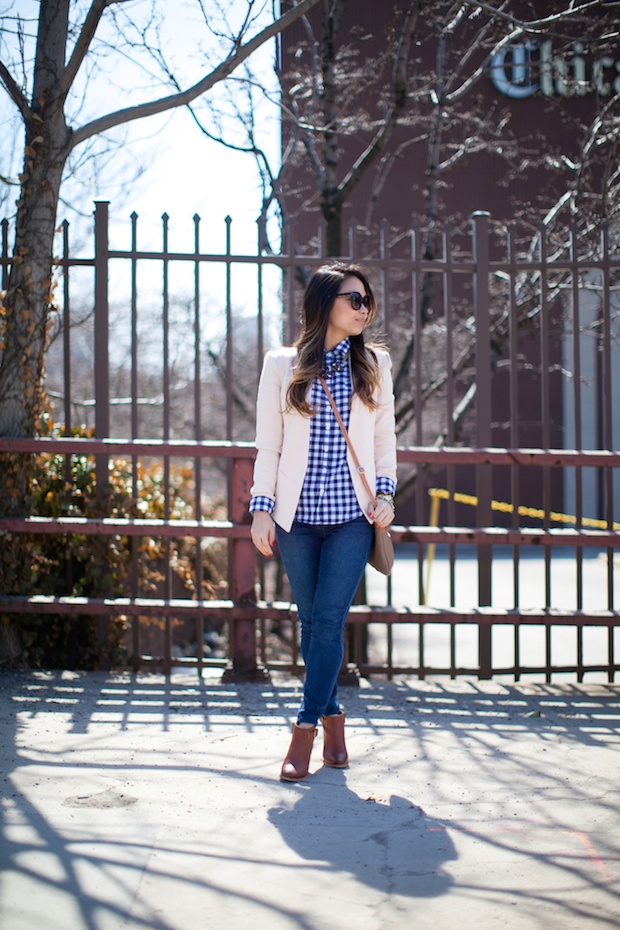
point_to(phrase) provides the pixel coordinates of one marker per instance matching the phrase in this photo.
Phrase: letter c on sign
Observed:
(519, 85)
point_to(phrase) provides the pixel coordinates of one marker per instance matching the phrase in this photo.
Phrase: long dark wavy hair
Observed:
(320, 294)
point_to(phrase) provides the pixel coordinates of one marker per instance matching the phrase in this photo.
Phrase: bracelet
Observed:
(389, 498)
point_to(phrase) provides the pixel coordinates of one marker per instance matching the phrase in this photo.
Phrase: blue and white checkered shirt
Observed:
(328, 495)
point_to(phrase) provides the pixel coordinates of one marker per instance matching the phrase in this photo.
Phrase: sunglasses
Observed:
(356, 299)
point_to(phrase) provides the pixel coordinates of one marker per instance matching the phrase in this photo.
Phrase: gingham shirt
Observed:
(328, 495)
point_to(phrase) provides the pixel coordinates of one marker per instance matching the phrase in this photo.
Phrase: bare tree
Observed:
(341, 109)
(42, 92)
(349, 117)
(52, 68)
(585, 184)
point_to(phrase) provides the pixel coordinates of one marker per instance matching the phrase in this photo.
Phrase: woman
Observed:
(308, 496)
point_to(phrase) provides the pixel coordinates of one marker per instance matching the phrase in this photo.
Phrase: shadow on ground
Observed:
(140, 801)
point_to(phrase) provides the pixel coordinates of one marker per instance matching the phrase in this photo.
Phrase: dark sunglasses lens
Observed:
(357, 300)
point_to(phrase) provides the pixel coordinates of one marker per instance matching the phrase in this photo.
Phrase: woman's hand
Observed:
(382, 514)
(263, 531)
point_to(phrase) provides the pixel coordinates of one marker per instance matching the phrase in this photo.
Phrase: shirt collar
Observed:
(338, 352)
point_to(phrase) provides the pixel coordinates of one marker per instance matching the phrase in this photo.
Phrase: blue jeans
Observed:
(325, 565)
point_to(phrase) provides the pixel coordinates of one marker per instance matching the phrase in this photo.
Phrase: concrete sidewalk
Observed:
(141, 802)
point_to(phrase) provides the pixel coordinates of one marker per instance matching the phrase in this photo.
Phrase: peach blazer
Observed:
(283, 437)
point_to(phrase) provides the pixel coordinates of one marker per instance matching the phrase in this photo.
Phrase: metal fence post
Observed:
(102, 336)
(484, 478)
(242, 575)
(102, 378)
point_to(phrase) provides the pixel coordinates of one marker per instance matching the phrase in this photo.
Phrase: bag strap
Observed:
(359, 468)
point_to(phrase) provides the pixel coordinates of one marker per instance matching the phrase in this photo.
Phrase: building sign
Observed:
(522, 69)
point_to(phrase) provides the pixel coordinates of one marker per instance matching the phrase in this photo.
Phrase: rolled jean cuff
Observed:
(332, 710)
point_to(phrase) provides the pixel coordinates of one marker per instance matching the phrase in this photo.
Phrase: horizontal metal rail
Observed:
(435, 535)
(455, 671)
(360, 616)
(261, 610)
(121, 526)
(422, 455)
(181, 448)
(456, 263)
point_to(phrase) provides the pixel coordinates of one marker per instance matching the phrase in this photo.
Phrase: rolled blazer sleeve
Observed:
(385, 424)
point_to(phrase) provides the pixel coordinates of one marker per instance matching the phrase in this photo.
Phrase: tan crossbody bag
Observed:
(382, 554)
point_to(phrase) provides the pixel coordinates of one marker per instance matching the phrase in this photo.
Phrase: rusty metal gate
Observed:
(505, 361)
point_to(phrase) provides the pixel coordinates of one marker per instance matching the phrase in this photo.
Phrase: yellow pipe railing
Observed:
(439, 494)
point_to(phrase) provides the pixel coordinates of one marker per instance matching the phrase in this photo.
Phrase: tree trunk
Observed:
(28, 297)
(331, 203)
(27, 302)
(332, 214)
(25, 323)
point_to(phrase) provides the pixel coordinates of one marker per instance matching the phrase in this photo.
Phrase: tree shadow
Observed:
(474, 754)
(390, 845)
(72, 848)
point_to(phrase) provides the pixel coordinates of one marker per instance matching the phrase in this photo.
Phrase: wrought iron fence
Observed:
(505, 361)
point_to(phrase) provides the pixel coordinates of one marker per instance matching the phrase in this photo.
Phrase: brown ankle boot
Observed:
(297, 761)
(334, 748)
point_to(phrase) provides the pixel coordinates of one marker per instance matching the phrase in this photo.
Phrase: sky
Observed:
(186, 173)
(182, 171)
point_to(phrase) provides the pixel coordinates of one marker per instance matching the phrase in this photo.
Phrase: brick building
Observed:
(498, 120)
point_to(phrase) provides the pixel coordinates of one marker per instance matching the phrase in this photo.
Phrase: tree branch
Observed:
(14, 92)
(308, 142)
(480, 70)
(535, 25)
(82, 46)
(399, 88)
(239, 55)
